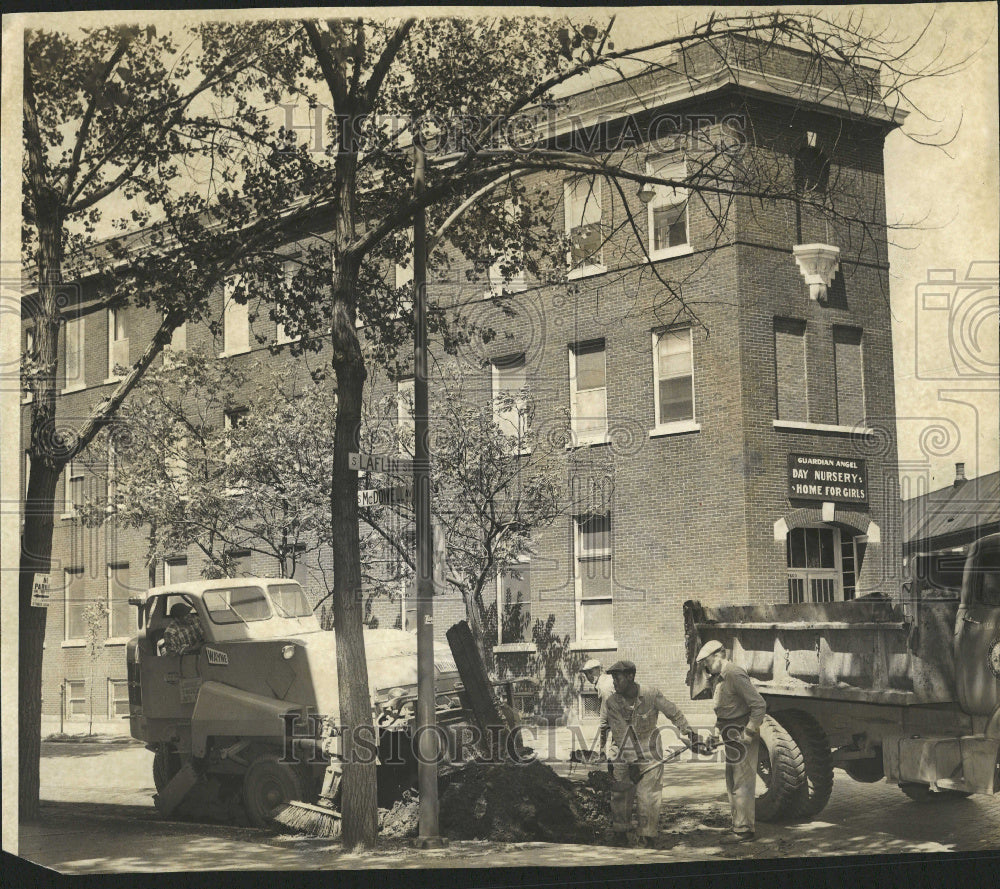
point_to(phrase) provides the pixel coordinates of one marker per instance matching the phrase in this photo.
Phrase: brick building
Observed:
(729, 382)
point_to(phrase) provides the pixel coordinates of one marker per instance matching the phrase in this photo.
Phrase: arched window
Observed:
(823, 563)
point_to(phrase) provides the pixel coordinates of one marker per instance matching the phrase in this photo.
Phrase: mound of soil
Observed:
(507, 803)
(513, 803)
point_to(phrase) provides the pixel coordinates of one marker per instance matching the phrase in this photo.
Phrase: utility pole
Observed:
(427, 747)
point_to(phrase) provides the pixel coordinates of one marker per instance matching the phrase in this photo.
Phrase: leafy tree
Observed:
(95, 618)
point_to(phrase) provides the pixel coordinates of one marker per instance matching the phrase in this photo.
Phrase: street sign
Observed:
(40, 591)
(385, 496)
(379, 463)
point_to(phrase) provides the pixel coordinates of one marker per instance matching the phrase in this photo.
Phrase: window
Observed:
(668, 211)
(121, 615)
(405, 424)
(823, 564)
(403, 272)
(175, 570)
(178, 340)
(594, 619)
(282, 335)
(514, 604)
(177, 465)
(117, 342)
(508, 402)
(117, 698)
(812, 177)
(235, 318)
(75, 365)
(848, 370)
(674, 380)
(515, 283)
(74, 626)
(75, 692)
(175, 460)
(588, 393)
(583, 225)
(790, 367)
(239, 559)
(74, 487)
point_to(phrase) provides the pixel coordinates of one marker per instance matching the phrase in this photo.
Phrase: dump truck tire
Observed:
(817, 761)
(267, 785)
(921, 793)
(166, 764)
(781, 769)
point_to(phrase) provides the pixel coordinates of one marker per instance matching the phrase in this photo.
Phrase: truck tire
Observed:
(922, 793)
(166, 764)
(267, 785)
(781, 769)
(817, 760)
(867, 771)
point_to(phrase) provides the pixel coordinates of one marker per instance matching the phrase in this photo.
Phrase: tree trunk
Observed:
(47, 450)
(36, 552)
(359, 799)
(474, 614)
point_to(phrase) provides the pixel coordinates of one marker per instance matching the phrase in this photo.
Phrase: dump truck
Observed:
(216, 717)
(907, 690)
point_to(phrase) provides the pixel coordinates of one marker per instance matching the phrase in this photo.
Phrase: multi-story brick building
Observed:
(726, 365)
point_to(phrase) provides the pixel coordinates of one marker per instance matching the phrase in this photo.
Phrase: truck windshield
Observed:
(289, 600)
(231, 605)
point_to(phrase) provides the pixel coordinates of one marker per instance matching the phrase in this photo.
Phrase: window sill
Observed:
(594, 645)
(74, 643)
(671, 252)
(588, 442)
(832, 429)
(233, 353)
(111, 380)
(586, 271)
(68, 516)
(116, 640)
(678, 428)
(513, 647)
(509, 290)
(69, 390)
(26, 400)
(285, 342)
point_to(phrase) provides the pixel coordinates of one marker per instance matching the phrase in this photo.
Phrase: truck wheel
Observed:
(922, 793)
(781, 769)
(166, 764)
(267, 785)
(817, 760)
(867, 771)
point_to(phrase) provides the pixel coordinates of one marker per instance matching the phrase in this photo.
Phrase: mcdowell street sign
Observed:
(385, 496)
(379, 463)
(833, 479)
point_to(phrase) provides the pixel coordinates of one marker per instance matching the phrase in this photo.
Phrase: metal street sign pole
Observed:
(427, 753)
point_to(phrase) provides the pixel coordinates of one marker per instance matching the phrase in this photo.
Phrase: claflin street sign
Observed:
(385, 496)
(379, 463)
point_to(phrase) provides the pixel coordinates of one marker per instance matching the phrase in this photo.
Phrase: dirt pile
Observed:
(508, 803)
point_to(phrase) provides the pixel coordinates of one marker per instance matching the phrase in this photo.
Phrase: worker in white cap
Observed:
(739, 712)
(604, 685)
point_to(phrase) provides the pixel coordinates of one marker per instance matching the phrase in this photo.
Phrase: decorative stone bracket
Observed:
(818, 263)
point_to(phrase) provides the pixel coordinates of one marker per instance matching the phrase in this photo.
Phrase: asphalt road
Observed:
(99, 817)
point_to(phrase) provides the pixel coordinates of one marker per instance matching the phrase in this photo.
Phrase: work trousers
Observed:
(646, 794)
(741, 782)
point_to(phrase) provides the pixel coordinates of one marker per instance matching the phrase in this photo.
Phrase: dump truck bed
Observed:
(871, 650)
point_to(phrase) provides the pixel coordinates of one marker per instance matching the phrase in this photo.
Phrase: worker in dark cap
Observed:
(184, 632)
(631, 714)
(739, 712)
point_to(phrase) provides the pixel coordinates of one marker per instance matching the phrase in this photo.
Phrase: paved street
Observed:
(99, 818)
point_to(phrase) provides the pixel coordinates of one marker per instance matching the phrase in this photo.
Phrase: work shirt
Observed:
(633, 722)
(183, 634)
(734, 697)
(605, 686)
